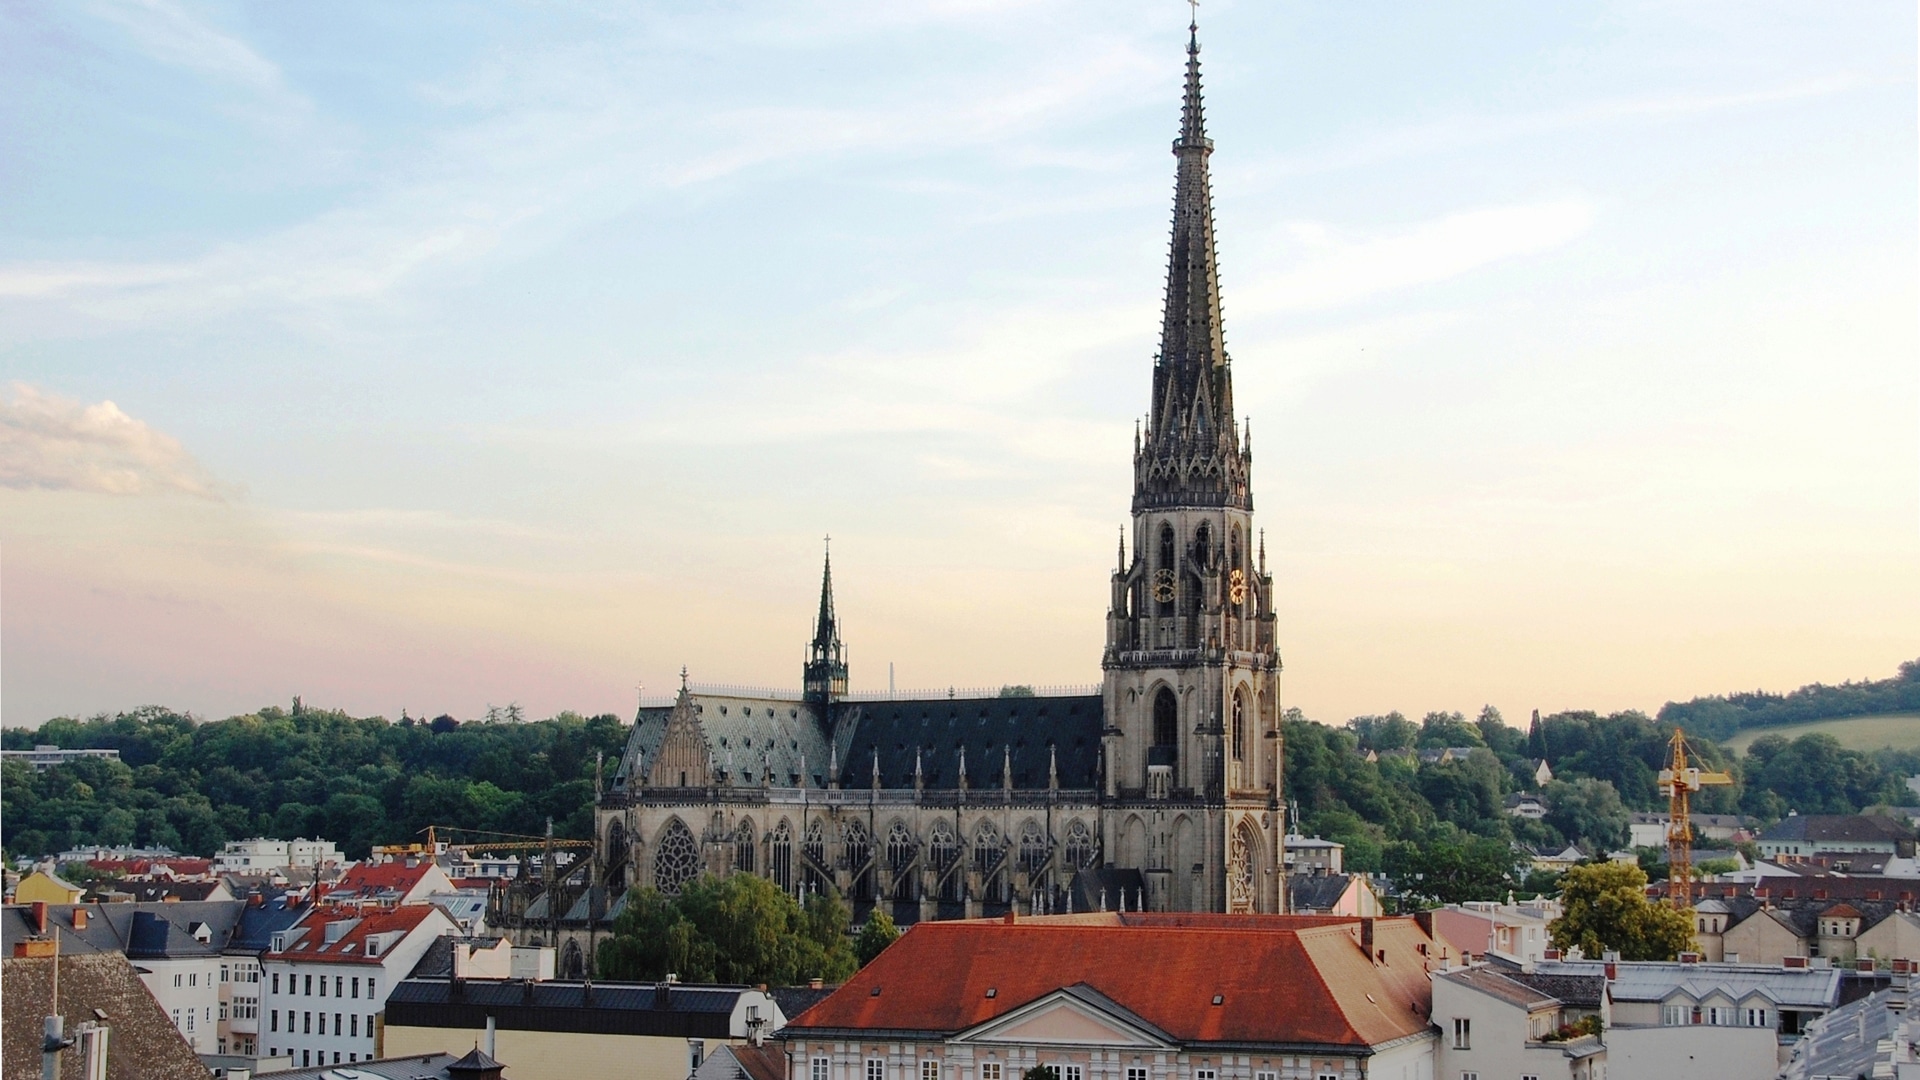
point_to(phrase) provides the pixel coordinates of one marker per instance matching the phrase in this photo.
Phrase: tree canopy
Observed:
(738, 929)
(1607, 910)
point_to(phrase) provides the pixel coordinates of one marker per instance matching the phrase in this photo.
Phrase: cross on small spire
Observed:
(1194, 23)
(683, 676)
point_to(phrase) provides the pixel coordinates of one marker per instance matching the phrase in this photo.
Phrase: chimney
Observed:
(1689, 957)
(1550, 954)
(1366, 937)
(663, 995)
(489, 1046)
(257, 900)
(39, 916)
(79, 918)
(1613, 971)
(1010, 917)
(816, 983)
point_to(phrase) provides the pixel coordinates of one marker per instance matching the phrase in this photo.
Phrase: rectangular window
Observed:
(1265, 1074)
(189, 1021)
(1674, 1015)
(1757, 1018)
(276, 982)
(323, 986)
(307, 1022)
(1135, 1072)
(1463, 1076)
(353, 1025)
(309, 985)
(696, 1052)
(304, 1060)
(1072, 1072)
(1198, 1074)
(930, 1069)
(273, 1020)
(338, 982)
(336, 1023)
(877, 1070)
(819, 1069)
(223, 973)
(1529, 1076)
(369, 1025)
(370, 986)
(193, 978)
(356, 986)
(336, 1057)
(176, 979)
(1462, 1033)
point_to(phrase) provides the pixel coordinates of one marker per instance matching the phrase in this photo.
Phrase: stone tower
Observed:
(825, 675)
(1192, 690)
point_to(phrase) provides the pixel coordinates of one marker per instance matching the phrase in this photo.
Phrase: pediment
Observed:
(1070, 1017)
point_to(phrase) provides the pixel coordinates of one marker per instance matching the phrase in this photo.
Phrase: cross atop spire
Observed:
(1192, 455)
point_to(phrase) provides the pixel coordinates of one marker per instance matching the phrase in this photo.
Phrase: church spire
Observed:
(826, 670)
(1192, 455)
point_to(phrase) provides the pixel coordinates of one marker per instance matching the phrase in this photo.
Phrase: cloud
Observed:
(53, 443)
(1336, 270)
(167, 33)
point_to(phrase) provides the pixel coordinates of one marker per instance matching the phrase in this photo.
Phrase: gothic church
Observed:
(1159, 793)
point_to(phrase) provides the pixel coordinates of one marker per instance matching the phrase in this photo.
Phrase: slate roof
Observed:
(1316, 892)
(752, 736)
(1107, 888)
(1572, 989)
(109, 927)
(258, 923)
(144, 1044)
(437, 961)
(1028, 727)
(176, 891)
(601, 1008)
(1280, 980)
(1844, 828)
(794, 1000)
(1844, 1042)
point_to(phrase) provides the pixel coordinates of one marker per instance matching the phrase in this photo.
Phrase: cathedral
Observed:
(1159, 793)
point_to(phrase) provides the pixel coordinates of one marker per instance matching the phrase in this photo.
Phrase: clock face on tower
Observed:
(1237, 587)
(1163, 585)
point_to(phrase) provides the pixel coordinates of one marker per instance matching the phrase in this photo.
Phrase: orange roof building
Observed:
(1129, 997)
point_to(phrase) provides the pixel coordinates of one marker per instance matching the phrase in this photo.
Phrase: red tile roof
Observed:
(1280, 979)
(351, 948)
(370, 879)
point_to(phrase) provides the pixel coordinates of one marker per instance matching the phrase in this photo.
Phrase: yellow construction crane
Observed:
(513, 842)
(1678, 782)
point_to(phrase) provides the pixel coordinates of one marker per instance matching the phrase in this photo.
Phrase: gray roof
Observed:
(1845, 1042)
(1653, 981)
(109, 927)
(1315, 892)
(417, 1067)
(1026, 730)
(1580, 991)
(591, 1008)
(794, 1000)
(767, 740)
(1843, 828)
(144, 1044)
(1502, 985)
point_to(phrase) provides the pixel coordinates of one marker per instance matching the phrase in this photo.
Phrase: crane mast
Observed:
(1678, 781)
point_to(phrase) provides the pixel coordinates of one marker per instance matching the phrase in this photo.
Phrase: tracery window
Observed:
(744, 842)
(1033, 848)
(1240, 869)
(676, 858)
(986, 846)
(859, 849)
(943, 850)
(900, 851)
(1080, 847)
(780, 856)
(814, 845)
(616, 856)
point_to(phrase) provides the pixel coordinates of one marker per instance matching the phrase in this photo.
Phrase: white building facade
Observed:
(326, 980)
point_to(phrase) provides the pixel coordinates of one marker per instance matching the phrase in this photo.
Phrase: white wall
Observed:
(188, 991)
(1691, 1052)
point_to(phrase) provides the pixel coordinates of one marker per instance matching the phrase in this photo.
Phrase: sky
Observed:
(437, 356)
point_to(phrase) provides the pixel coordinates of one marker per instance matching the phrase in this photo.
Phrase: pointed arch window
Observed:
(616, 856)
(676, 858)
(986, 847)
(814, 846)
(859, 851)
(1080, 848)
(744, 842)
(943, 851)
(1033, 848)
(1166, 719)
(780, 856)
(1239, 725)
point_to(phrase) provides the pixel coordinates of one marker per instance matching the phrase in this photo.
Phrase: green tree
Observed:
(1606, 910)
(736, 929)
(1588, 811)
(1450, 867)
(878, 933)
